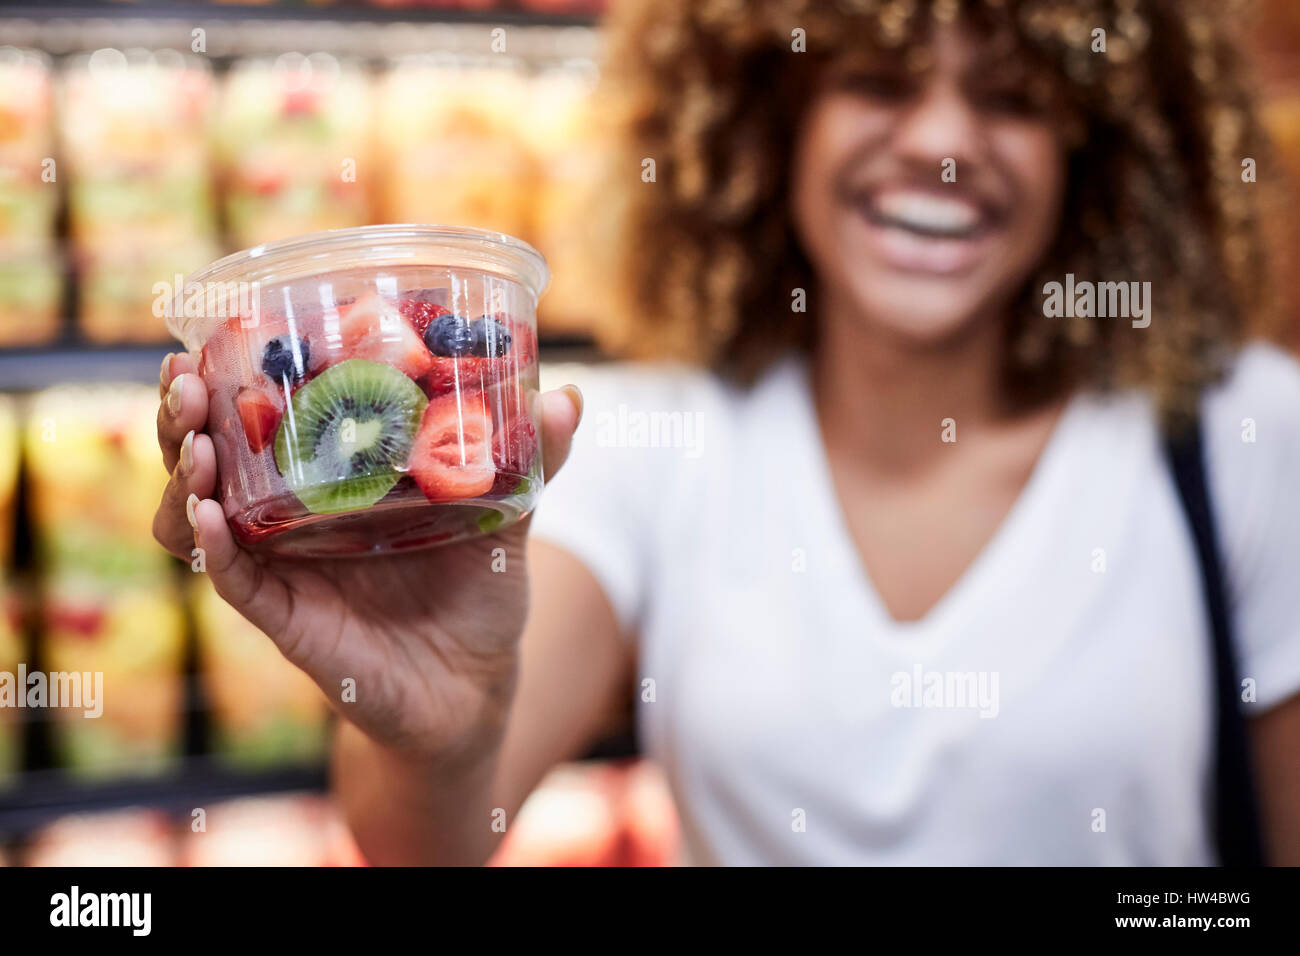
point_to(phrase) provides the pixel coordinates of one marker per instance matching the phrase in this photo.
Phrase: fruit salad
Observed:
(375, 389)
(291, 134)
(455, 121)
(11, 655)
(263, 711)
(28, 199)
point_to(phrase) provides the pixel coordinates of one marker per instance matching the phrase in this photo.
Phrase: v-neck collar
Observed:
(1017, 529)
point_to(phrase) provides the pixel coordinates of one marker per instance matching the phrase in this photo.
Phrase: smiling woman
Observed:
(927, 472)
(1119, 153)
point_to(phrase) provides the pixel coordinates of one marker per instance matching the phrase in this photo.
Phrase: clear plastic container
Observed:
(370, 390)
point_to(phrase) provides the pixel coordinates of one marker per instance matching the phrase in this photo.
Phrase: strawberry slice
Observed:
(452, 455)
(372, 328)
(474, 371)
(419, 313)
(260, 416)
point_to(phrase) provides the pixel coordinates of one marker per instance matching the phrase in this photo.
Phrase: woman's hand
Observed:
(429, 639)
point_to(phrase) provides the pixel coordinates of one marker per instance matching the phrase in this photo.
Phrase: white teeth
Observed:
(927, 212)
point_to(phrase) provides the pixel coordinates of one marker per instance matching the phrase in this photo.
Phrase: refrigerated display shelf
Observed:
(32, 368)
(371, 33)
(38, 797)
(335, 12)
(42, 796)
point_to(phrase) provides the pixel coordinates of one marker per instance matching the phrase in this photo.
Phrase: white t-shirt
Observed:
(1055, 707)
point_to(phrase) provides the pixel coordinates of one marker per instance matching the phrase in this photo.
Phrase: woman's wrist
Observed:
(473, 711)
(407, 808)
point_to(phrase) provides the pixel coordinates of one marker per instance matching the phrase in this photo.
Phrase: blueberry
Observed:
(450, 336)
(492, 338)
(279, 361)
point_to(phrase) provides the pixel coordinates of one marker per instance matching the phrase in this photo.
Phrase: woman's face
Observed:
(894, 241)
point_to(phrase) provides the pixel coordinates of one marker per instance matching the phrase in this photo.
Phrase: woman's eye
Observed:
(1014, 102)
(880, 86)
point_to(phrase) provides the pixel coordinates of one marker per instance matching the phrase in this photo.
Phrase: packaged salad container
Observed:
(370, 390)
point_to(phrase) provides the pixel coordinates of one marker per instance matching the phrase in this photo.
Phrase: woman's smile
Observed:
(927, 231)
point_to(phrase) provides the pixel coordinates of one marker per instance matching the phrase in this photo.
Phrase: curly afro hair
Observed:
(713, 91)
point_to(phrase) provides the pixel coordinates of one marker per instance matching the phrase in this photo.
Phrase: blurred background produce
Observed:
(129, 156)
(126, 163)
(30, 269)
(13, 648)
(139, 141)
(134, 130)
(264, 710)
(107, 594)
(294, 145)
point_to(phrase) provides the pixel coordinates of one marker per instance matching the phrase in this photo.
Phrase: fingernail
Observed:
(575, 396)
(187, 453)
(166, 369)
(174, 394)
(190, 504)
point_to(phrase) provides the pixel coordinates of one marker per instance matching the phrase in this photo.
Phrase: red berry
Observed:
(513, 453)
(372, 328)
(474, 371)
(449, 374)
(420, 314)
(516, 453)
(260, 416)
(452, 457)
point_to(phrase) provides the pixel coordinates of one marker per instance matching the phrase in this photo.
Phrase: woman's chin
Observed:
(923, 319)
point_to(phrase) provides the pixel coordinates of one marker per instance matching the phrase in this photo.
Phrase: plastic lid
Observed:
(338, 250)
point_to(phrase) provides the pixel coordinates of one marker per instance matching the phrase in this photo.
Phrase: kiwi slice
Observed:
(347, 433)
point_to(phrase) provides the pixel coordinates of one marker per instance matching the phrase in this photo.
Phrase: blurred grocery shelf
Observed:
(580, 815)
(555, 12)
(143, 140)
(37, 797)
(27, 369)
(352, 29)
(42, 796)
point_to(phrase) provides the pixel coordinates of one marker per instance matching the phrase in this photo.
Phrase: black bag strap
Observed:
(1235, 807)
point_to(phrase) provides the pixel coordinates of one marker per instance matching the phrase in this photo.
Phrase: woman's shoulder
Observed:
(1251, 430)
(1251, 427)
(1257, 402)
(1260, 372)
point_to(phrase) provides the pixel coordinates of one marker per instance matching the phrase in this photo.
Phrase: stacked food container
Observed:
(30, 267)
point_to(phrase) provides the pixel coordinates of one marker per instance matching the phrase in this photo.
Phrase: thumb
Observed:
(560, 413)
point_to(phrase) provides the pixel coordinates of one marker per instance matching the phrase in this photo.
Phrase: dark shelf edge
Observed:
(32, 368)
(58, 10)
(41, 796)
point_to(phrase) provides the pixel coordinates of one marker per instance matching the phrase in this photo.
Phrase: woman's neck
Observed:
(884, 402)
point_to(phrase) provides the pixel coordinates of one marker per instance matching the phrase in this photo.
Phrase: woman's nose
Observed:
(939, 123)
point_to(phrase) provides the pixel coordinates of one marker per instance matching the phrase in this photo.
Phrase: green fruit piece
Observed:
(346, 436)
(490, 520)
